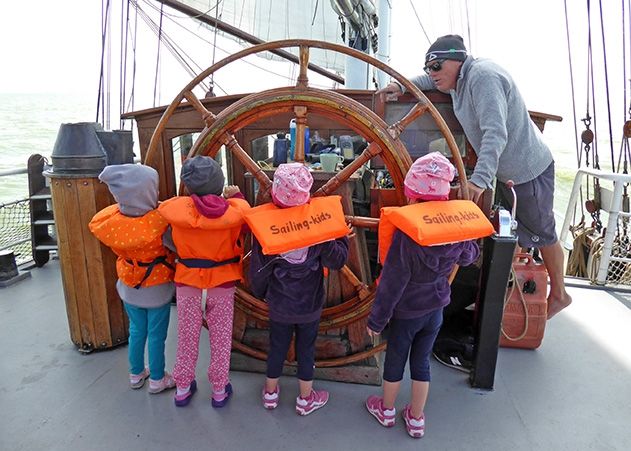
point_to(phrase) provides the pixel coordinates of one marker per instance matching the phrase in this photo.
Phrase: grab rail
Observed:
(619, 181)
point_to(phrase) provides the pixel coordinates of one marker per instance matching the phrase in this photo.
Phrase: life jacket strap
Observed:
(161, 260)
(206, 263)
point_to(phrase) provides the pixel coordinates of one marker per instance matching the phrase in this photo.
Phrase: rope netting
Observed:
(587, 251)
(15, 229)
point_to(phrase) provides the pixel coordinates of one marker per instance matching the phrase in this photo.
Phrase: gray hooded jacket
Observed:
(495, 120)
(135, 189)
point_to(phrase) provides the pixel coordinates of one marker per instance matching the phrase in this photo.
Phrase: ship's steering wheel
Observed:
(301, 99)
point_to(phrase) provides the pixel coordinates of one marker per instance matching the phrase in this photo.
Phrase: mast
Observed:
(227, 28)
(383, 51)
(361, 18)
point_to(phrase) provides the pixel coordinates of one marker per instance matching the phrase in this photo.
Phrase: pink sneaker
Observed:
(386, 417)
(270, 400)
(166, 383)
(136, 381)
(414, 426)
(316, 400)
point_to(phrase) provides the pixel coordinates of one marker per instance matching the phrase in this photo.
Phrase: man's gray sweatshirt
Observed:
(495, 120)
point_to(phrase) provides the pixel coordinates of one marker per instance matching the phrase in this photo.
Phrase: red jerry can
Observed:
(525, 310)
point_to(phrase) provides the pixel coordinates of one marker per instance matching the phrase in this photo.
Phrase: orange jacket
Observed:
(432, 223)
(137, 241)
(280, 230)
(210, 250)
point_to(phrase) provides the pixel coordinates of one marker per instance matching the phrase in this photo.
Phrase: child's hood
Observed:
(134, 187)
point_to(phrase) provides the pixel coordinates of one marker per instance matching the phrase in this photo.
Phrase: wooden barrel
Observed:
(95, 312)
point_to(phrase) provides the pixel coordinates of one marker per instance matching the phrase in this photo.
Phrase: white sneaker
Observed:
(270, 400)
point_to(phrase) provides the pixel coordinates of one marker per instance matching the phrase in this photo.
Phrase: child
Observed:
(412, 292)
(293, 286)
(206, 233)
(144, 267)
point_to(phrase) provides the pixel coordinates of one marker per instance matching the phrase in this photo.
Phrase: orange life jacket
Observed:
(137, 241)
(433, 223)
(282, 230)
(210, 250)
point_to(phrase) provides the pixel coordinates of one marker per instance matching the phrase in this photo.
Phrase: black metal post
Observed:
(496, 265)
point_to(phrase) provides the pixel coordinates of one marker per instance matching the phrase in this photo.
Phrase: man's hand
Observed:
(230, 190)
(475, 192)
(392, 91)
(371, 332)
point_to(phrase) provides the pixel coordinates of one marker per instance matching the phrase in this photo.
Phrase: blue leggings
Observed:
(147, 325)
(414, 337)
(279, 339)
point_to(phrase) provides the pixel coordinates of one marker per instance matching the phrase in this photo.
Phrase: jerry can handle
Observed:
(519, 256)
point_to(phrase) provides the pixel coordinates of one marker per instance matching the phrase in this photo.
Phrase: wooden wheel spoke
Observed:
(417, 110)
(362, 221)
(233, 145)
(334, 183)
(207, 116)
(303, 79)
(301, 127)
(360, 287)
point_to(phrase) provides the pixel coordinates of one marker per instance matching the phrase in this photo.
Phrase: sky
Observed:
(55, 46)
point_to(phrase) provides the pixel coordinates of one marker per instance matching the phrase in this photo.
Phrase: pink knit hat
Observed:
(429, 177)
(292, 182)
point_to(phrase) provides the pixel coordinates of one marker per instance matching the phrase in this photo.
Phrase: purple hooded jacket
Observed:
(414, 279)
(295, 291)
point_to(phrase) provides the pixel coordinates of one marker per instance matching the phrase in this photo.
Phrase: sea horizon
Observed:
(29, 123)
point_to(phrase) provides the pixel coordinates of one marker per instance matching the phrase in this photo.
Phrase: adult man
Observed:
(508, 146)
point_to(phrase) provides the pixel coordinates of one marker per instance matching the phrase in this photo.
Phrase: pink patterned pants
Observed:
(219, 314)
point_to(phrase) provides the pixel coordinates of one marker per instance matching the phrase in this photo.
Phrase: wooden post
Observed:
(95, 312)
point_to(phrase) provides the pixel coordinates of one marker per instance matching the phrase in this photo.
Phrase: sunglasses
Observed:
(434, 67)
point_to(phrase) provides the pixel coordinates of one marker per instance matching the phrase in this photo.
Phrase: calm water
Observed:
(29, 124)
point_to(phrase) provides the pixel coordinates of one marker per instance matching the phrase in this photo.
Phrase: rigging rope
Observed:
(171, 46)
(100, 100)
(155, 82)
(123, 58)
(602, 30)
(132, 96)
(170, 17)
(212, 76)
(419, 22)
(466, 4)
(573, 90)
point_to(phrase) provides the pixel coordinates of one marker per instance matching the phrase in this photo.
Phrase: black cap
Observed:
(448, 47)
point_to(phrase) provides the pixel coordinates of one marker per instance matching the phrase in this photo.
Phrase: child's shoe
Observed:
(136, 381)
(221, 399)
(270, 400)
(414, 426)
(316, 400)
(386, 417)
(183, 399)
(166, 383)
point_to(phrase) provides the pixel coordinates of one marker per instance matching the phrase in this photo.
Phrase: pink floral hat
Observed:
(292, 184)
(429, 177)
